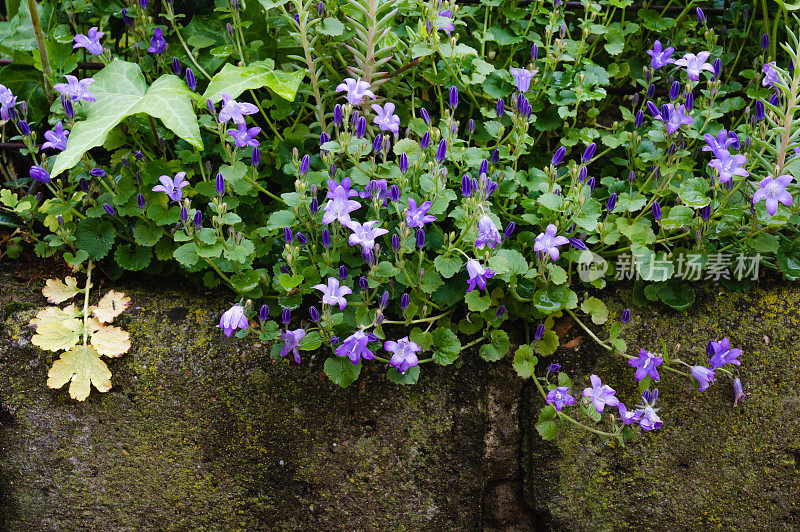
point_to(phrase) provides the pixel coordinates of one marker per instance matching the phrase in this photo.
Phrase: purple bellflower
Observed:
(724, 354)
(333, 294)
(649, 420)
(477, 275)
(244, 136)
(386, 119)
(728, 165)
(233, 110)
(488, 233)
(646, 365)
(660, 57)
(548, 242)
(233, 319)
(694, 64)
(90, 41)
(7, 102)
(364, 235)
(628, 417)
(356, 90)
(339, 205)
(75, 89)
(157, 43)
(523, 77)
(447, 24)
(772, 192)
(418, 216)
(600, 394)
(674, 117)
(704, 376)
(355, 347)
(720, 142)
(404, 353)
(291, 340)
(170, 187)
(560, 397)
(56, 138)
(770, 75)
(377, 189)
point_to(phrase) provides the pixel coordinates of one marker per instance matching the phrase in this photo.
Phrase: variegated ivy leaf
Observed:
(110, 306)
(82, 367)
(111, 341)
(57, 291)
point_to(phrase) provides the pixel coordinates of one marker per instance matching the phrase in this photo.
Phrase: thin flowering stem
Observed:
(571, 419)
(177, 31)
(429, 319)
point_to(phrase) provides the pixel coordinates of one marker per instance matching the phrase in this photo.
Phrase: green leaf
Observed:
(498, 348)
(446, 346)
(693, 192)
(121, 91)
(551, 201)
(763, 243)
(596, 309)
(447, 266)
(186, 254)
(245, 281)
(411, 376)
(477, 302)
(654, 267)
(677, 295)
(331, 27)
(95, 236)
(134, 259)
(147, 234)
(547, 430)
(547, 345)
(525, 361)
(341, 371)
(241, 252)
(234, 80)
(290, 281)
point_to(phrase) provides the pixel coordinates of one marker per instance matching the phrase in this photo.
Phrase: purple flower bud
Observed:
(612, 202)
(321, 8)
(286, 316)
(368, 256)
(764, 41)
(60, 220)
(509, 229)
(405, 299)
(590, 182)
(453, 97)
(441, 152)
(589, 153)
(343, 272)
(701, 16)
(68, 109)
(297, 18)
(425, 116)
(582, 174)
(646, 395)
(425, 141)
(198, 218)
(394, 193)
(176, 66)
(632, 176)
(361, 128)
(314, 207)
(190, 80)
(558, 156)
(501, 107)
(82, 183)
(653, 108)
(555, 367)
(626, 316)
(403, 162)
(138, 155)
(184, 214)
(301, 238)
(495, 155)
(263, 313)
(774, 100)
(651, 90)
(656, 211)
(255, 157)
(420, 238)
(738, 392)
(337, 115)
(674, 90)
(539, 332)
(735, 138)
(760, 112)
(287, 235)
(143, 3)
(41, 175)
(97, 172)
(326, 237)
(220, 184)
(471, 126)
(334, 340)
(140, 201)
(211, 108)
(501, 310)
(313, 314)
(577, 244)
(109, 209)
(705, 212)
(689, 100)
(638, 119)
(484, 168)
(125, 18)
(396, 242)
(24, 128)
(534, 52)
(362, 282)
(672, 149)
(284, 269)
(377, 143)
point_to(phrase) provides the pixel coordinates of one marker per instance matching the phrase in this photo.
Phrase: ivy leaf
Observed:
(110, 306)
(234, 80)
(111, 341)
(57, 335)
(525, 361)
(81, 367)
(121, 91)
(57, 292)
(341, 371)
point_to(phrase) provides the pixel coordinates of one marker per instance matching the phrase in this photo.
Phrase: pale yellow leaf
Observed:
(111, 341)
(59, 335)
(111, 306)
(82, 367)
(54, 314)
(57, 292)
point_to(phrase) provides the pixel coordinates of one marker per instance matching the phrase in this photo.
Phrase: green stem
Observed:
(40, 44)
